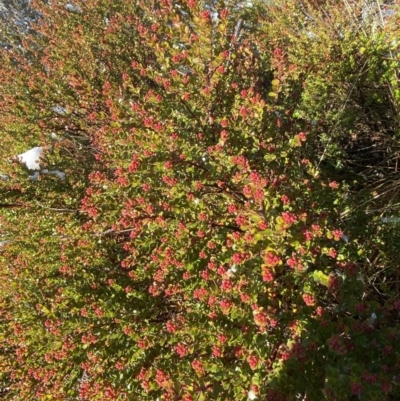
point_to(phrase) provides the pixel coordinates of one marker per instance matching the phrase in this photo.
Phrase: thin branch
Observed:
(58, 209)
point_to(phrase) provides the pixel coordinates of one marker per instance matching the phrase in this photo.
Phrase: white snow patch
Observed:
(391, 219)
(73, 8)
(31, 158)
(57, 173)
(54, 136)
(214, 17)
(373, 318)
(59, 110)
(231, 272)
(35, 176)
(345, 238)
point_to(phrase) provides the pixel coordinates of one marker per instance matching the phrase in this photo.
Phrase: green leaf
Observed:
(269, 157)
(321, 278)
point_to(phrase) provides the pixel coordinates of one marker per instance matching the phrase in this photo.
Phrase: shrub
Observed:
(207, 240)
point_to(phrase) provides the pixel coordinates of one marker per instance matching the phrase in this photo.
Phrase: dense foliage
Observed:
(214, 214)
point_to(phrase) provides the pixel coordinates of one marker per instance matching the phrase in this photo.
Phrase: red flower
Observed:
(302, 136)
(253, 361)
(267, 275)
(181, 350)
(285, 200)
(245, 298)
(226, 285)
(337, 234)
(260, 317)
(198, 367)
(332, 253)
(294, 263)
(224, 13)
(262, 225)
(243, 111)
(289, 218)
(225, 305)
(200, 293)
(240, 220)
(222, 338)
(205, 275)
(206, 15)
(171, 327)
(308, 299)
(217, 351)
(270, 259)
